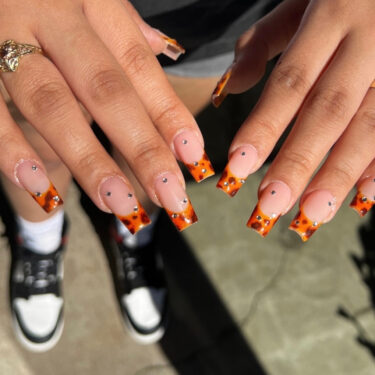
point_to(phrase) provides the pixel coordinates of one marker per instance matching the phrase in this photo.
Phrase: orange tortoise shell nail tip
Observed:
(202, 169)
(184, 219)
(260, 222)
(303, 226)
(229, 183)
(173, 44)
(362, 204)
(219, 93)
(48, 200)
(136, 220)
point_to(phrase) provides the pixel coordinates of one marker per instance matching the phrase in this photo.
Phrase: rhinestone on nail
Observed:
(273, 192)
(242, 181)
(34, 167)
(184, 141)
(56, 198)
(185, 200)
(364, 199)
(165, 180)
(243, 153)
(204, 170)
(136, 208)
(330, 204)
(108, 193)
(315, 223)
(38, 194)
(297, 222)
(130, 195)
(174, 216)
(225, 183)
(273, 216)
(259, 217)
(195, 164)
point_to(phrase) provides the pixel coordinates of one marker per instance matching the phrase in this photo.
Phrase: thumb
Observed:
(263, 41)
(159, 42)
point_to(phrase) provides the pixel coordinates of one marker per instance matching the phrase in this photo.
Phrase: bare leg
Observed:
(195, 93)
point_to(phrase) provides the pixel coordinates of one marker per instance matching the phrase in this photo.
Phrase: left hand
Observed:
(322, 79)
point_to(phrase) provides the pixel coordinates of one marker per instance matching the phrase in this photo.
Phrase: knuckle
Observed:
(291, 78)
(88, 161)
(48, 98)
(147, 152)
(297, 163)
(105, 85)
(342, 175)
(136, 59)
(330, 104)
(165, 112)
(267, 129)
(367, 119)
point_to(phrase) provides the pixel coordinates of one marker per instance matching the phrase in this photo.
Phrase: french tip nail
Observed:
(361, 203)
(201, 169)
(183, 219)
(48, 200)
(135, 221)
(173, 49)
(303, 226)
(229, 183)
(261, 222)
(219, 93)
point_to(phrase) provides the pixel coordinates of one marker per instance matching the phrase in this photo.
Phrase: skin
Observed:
(322, 80)
(28, 208)
(102, 60)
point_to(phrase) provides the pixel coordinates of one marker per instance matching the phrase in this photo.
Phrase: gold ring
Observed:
(11, 52)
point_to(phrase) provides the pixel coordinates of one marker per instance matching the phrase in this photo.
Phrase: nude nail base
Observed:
(183, 219)
(201, 169)
(48, 200)
(229, 183)
(362, 204)
(260, 222)
(219, 93)
(303, 226)
(136, 220)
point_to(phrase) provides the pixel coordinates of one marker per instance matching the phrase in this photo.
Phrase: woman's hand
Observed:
(322, 79)
(95, 53)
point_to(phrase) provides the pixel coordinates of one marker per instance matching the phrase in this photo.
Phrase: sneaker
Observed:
(36, 295)
(141, 288)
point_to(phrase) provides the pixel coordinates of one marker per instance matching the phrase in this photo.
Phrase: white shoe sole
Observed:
(37, 347)
(143, 339)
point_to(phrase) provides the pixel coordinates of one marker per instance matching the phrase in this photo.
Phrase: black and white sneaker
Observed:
(141, 288)
(36, 299)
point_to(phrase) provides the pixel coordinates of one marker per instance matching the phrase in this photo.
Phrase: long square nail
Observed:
(273, 202)
(192, 154)
(173, 49)
(316, 208)
(237, 170)
(219, 93)
(175, 201)
(36, 183)
(120, 199)
(365, 197)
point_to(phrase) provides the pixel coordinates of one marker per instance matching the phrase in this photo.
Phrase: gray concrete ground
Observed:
(240, 304)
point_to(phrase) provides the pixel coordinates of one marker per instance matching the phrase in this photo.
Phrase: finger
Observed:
(159, 42)
(326, 113)
(365, 196)
(290, 82)
(20, 163)
(266, 39)
(46, 101)
(101, 85)
(172, 119)
(351, 155)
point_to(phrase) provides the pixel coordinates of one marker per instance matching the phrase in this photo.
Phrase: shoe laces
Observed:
(40, 272)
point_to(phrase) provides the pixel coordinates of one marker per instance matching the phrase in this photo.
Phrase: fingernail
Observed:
(273, 202)
(175, 201)
(34, 180)
(365, 197)
(316, 208)
(120, 199)
(219, 93)
(237, 170)
(191, 152)
(173, 49)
